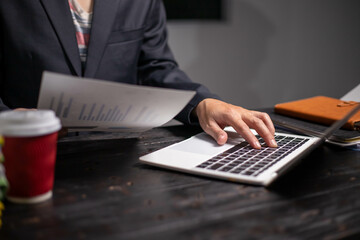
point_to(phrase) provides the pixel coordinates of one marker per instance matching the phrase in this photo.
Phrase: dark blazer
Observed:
(128, 44)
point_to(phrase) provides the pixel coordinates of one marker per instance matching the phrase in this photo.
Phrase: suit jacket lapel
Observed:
(103, 18)
(60, 17)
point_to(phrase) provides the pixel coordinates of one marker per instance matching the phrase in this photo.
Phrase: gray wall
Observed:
(270, 51)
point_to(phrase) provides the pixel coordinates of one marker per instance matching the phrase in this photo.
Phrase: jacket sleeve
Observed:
(2, 105)
(157, 66)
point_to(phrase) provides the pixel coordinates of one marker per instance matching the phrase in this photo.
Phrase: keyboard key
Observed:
(248, 172)
(216, 166)
(226, 169)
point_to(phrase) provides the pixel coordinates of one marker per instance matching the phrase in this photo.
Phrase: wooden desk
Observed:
(102, 192)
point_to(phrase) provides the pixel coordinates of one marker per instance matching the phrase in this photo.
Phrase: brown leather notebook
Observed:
(320, 109)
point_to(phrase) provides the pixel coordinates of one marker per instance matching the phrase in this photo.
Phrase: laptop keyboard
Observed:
(244, 160)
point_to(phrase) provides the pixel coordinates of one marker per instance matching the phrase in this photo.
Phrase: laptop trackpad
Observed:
(204, 144)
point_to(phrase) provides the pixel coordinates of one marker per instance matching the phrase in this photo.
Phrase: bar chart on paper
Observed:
(91, 115)
(99, 105)
(89, 111)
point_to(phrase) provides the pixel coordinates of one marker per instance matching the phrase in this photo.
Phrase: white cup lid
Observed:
(28, 123)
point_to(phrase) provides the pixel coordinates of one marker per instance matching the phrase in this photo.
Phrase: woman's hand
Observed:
(215, 115)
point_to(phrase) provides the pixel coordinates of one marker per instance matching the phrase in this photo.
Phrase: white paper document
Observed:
(98, 105)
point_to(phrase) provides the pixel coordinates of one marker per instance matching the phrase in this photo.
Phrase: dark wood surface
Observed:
(102, 191)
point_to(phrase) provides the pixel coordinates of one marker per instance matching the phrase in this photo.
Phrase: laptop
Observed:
(236, 160)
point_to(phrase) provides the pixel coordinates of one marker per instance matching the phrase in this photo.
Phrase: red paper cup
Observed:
(30, 152)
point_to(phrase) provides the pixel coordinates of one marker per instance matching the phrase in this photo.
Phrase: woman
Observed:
(122, 41)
